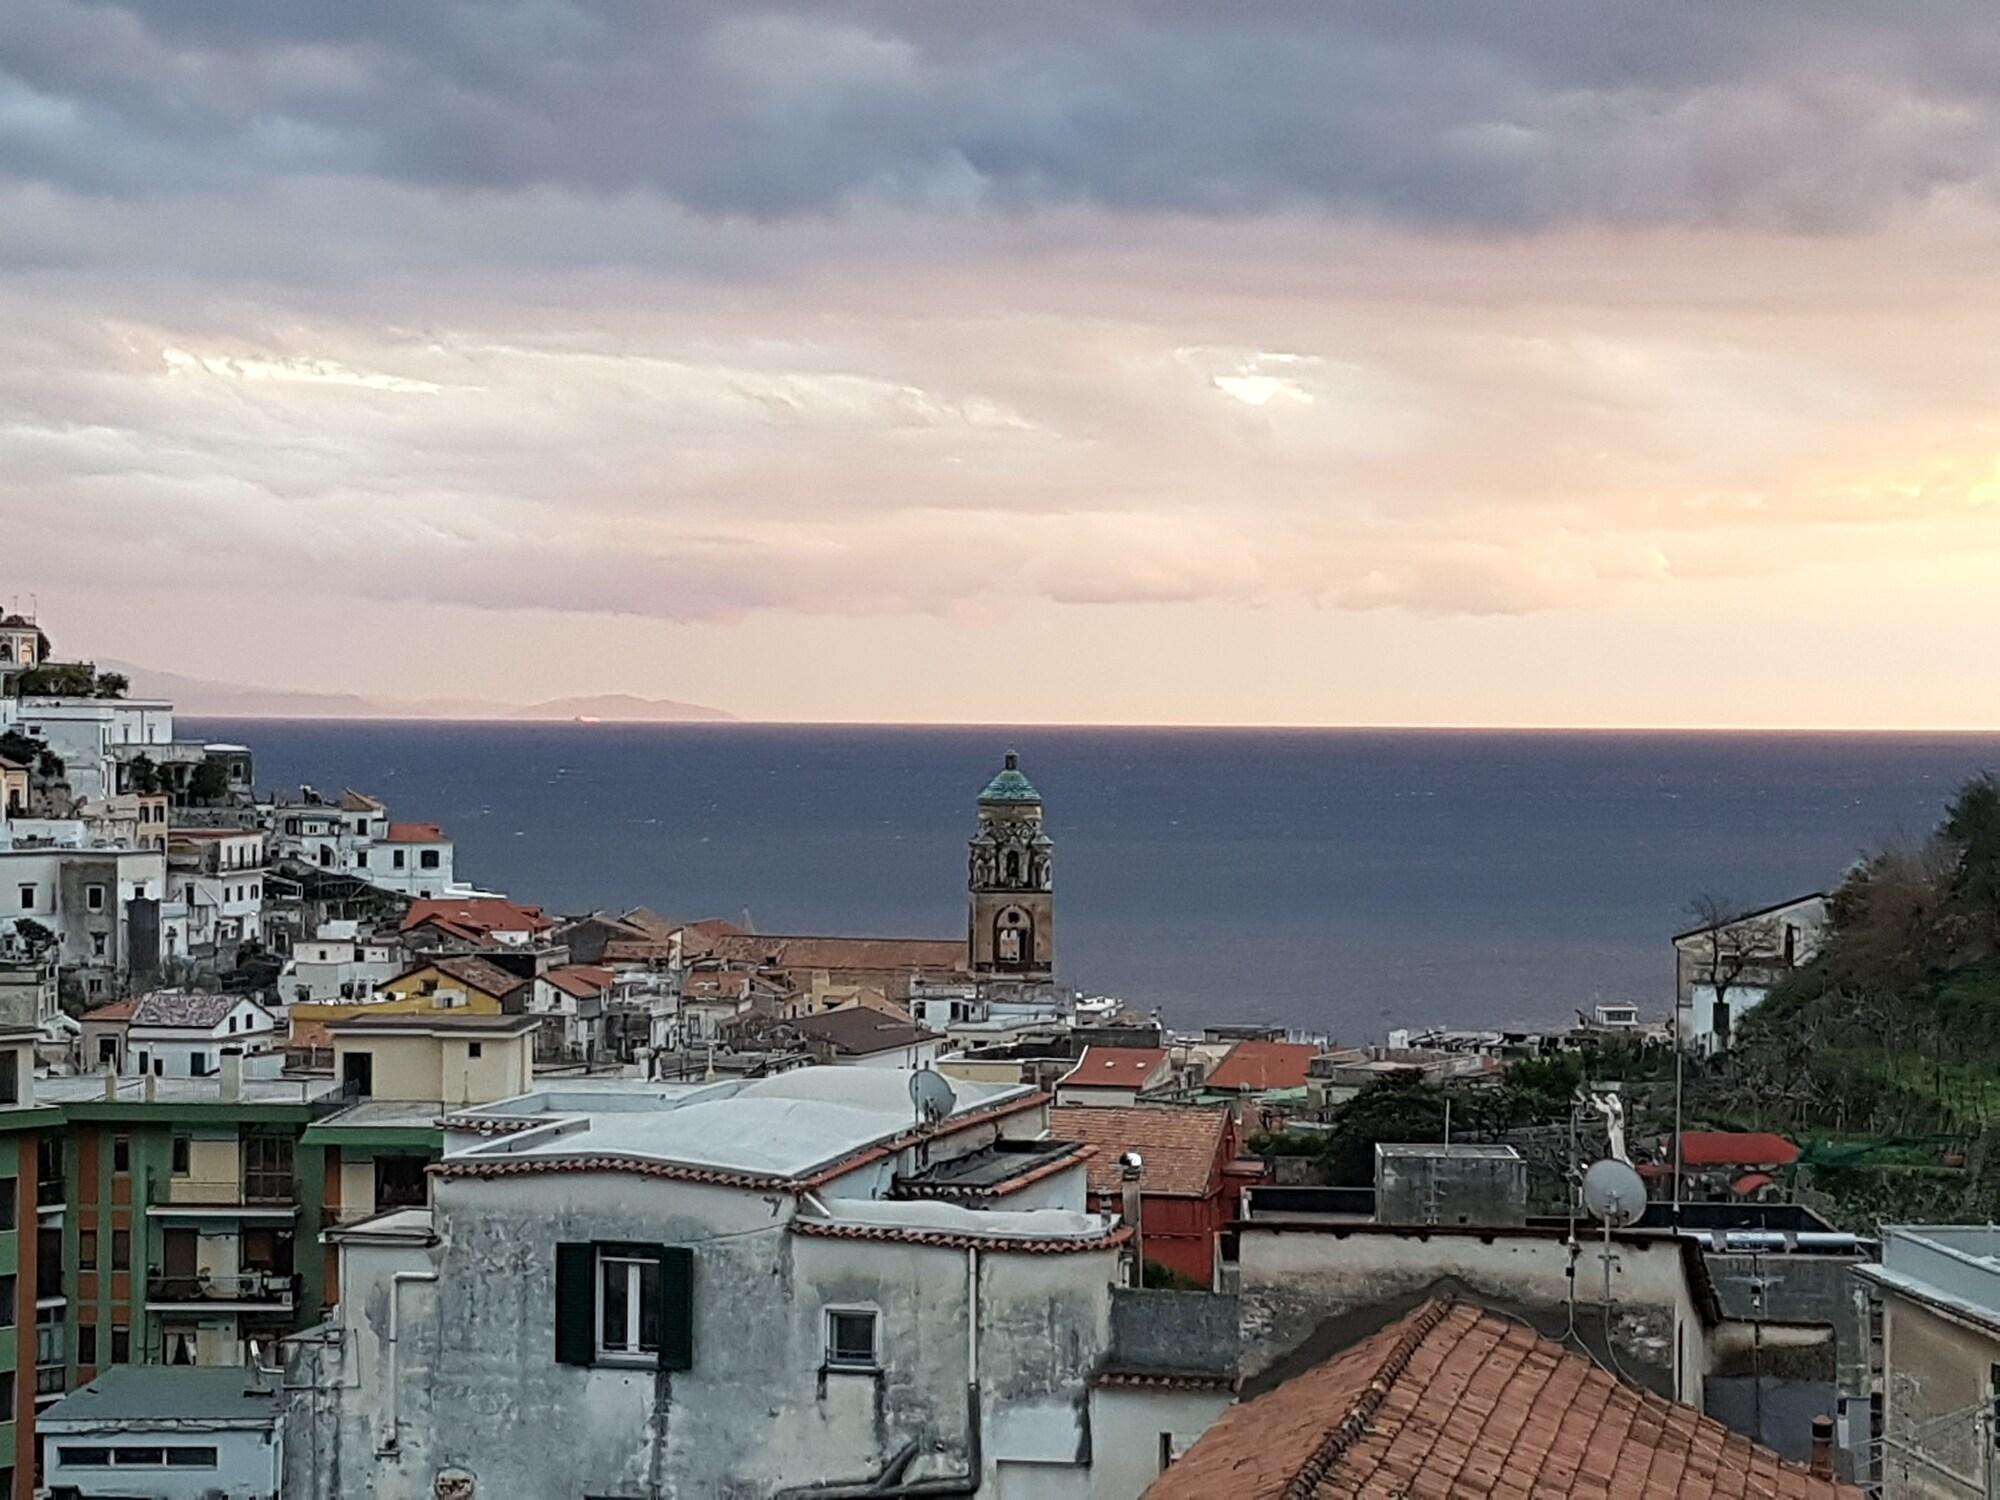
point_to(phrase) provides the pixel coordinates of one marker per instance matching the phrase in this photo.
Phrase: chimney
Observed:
(152, 1087)
(1131, 1173)
(110, 1084)
(1821, 1464)
(232, 1074)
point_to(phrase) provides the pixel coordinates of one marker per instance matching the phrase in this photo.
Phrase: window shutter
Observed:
(676, 1307)
(576, 1304)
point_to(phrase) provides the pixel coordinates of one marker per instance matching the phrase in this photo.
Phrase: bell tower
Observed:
(1010, 884)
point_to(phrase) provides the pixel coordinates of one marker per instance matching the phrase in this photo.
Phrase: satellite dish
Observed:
(933, 1096)
(1613, 1193)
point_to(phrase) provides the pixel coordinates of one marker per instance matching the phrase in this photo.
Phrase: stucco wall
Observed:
(755, 1414)
(1127, 1425)
(1936, 1377)
(1292, 1282)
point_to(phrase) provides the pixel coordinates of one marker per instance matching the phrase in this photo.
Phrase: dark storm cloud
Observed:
(1490, 117)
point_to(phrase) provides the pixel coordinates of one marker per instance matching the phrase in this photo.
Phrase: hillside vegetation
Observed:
(1894, 1028)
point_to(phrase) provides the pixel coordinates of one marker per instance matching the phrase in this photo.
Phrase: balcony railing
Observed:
(273, 1287)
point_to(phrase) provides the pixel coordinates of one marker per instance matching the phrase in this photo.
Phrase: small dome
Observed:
(1010, 785)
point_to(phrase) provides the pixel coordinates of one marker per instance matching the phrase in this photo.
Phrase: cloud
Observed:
(1491, 118)
(701, 312)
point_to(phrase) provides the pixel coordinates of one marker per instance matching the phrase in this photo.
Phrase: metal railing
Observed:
(251, 1286)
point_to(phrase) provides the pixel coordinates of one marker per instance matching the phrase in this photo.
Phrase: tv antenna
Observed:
(931, 1092)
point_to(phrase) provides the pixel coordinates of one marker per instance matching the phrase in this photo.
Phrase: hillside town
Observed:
(326, 1171)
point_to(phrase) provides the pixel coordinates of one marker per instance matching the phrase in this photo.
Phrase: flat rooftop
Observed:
(1439, 1151)
(1954, 1265)
(788, 1126)
(136, 1397)
(88, 1088)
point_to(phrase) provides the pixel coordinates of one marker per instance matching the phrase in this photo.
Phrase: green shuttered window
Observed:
(619, 1303)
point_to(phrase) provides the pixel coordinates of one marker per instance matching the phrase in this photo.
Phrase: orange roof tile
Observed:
(476, 916)
(1115, 1067)
(1733, 1148)
(415, 833)
(1257, 1066)
(117, 1010)
(580, 980)
(1458, 1403)
(1182, 1147)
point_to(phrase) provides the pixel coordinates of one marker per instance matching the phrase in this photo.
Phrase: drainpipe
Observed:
(394, 1441)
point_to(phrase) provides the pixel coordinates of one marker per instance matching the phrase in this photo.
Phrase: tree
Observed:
(33, 936)
(209, 783)
(142, 776)
(113, 684)
(1399, 1107)
(1973, 828)
(1731, 951)
(57, 680)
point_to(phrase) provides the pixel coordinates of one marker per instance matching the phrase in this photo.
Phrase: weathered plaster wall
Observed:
(1292, 1282)
(757, 1413)
(1937, 1377)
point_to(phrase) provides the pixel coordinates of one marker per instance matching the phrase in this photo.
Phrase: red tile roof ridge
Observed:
(949, 1239)
(1416, 1328)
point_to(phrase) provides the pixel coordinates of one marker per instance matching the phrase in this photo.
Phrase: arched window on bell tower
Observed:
(1013, 937)
(1013, 867)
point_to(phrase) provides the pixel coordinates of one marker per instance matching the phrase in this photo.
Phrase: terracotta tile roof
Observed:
(1257, 1066)
(1182, 1146)
(950, 1240)
(1733, 1148)
(415, 833)
(860, 1032)
(353, 801)
(1455, 1403)
(892, 955)
(478, 973)
(117, 1010)
(311, 1035)
(1115, 1067)
(637, 950)
(475, 917)
(184, 1008)
(579, 980)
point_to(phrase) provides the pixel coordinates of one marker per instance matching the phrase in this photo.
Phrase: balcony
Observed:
(251, 1291)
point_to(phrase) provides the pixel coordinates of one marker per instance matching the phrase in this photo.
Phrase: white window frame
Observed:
(633, 1351)
(831, 1358)
(93, 898)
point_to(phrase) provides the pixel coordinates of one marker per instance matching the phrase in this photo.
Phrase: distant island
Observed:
(201, 698)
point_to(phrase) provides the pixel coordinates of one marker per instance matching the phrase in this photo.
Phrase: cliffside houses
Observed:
(354, 835)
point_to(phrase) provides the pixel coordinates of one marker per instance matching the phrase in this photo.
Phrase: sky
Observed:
(1581, 363)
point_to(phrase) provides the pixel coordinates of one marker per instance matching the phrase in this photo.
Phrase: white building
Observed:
(778, 1287)
(215, 891)
(353, 835)
(178, 1034)
(169, 1434)
(84, 734)
(338, 963)
(1724, 969)
(103, 905)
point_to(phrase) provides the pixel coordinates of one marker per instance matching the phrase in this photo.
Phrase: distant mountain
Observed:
(201, 698)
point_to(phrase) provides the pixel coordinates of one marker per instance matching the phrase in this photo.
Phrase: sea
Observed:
(1333, 881)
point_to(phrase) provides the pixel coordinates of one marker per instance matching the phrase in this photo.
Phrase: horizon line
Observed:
(735, 721)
